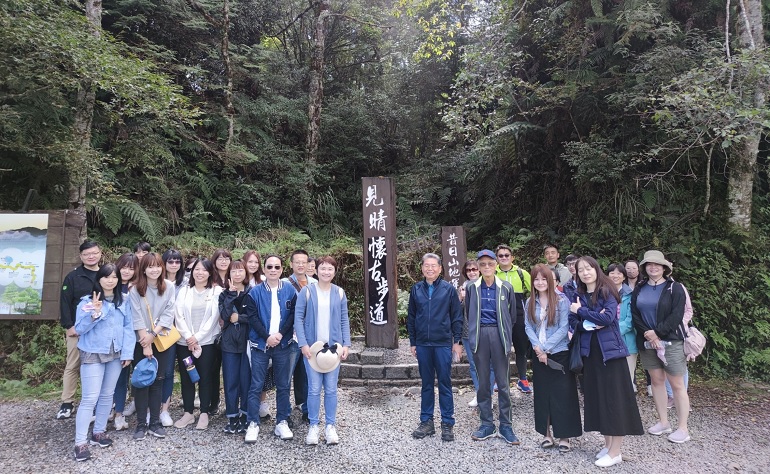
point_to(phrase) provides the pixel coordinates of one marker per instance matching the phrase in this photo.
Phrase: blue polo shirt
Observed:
(488, 303)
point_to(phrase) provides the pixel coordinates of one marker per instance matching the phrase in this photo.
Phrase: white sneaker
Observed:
(312, 435)
(120, 423)
(283, 431)
(252, 432)
(607, 461)
(165, 419)
(264, 409)
(130, 409)
(473, 403)
(330, 433)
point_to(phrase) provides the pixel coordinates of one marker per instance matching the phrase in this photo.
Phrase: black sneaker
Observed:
(426, 428)
(447, 432)
(101, 440)
(233, 423)
(157, 430)
(290, 422)
(141, 431)
(243, 424)
(65, 412)
(82, 453)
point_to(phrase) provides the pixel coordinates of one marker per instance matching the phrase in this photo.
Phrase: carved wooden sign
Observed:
(453, 253)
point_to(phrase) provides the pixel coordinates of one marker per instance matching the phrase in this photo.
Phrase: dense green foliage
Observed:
(606, 127)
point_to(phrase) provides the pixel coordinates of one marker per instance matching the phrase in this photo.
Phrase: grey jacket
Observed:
(161, 306)
(506, 312)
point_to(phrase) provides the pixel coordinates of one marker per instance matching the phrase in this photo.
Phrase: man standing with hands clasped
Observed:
(491, 306)
(435, 324)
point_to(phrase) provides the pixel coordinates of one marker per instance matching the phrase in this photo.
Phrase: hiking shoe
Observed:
(506, 432)
(330, 433)
(232, 425)
(523, 385)
(425, 428)
(252, 432)
(101, 440)
(157, 430)
(140, 432)
(283, 431)
(484, 432)
(130, 409)
(120, 423)
(242, 424)
(65, 412)
(82, 453)
(474, 403)
(165, 419)
(447, 432)
(312, 435)
(679, 437)
(264, 410)
(658, 429)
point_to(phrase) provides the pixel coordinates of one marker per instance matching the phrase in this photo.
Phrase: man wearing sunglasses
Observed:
(78, 283)
(270, 308)
(520, 280)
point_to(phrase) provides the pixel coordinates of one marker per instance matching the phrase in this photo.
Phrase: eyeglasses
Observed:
(273, 267)
(503, 255)
(90, 254)
(223, 258)
(487, 264)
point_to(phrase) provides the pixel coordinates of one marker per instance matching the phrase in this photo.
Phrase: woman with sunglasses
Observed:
(471, 273)
(172, 260)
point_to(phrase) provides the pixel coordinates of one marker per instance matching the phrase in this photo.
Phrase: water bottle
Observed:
(648, 345)
(191, 370)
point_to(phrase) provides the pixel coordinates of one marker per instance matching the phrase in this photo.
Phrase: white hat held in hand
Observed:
(325, 358)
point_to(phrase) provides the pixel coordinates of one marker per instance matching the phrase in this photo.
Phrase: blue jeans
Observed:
(260, 360)
(686, 383)
(300, 377)
(168, 384)
(97, 383)
(121, 390)
(436, 363)
(316, 380)
(472, 365)
(236, 375)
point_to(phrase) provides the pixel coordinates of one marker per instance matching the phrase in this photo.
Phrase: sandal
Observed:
(564, 448)
(547, 443)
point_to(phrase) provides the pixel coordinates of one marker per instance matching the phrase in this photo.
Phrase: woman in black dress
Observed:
(610, 404)
(556, 397)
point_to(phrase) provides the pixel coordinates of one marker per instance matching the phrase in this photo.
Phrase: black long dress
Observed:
(556, 397)
(609, 400)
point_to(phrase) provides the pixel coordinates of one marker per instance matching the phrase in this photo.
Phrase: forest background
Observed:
(608, 127)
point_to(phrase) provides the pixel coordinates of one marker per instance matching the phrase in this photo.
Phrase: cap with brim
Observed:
(144, 373)
(656, 256)
(486, 253)
(325, 358)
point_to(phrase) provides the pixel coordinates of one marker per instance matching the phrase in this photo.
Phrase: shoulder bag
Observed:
(165, 339)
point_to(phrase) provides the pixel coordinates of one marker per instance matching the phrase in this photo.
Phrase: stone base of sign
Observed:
(372, 357)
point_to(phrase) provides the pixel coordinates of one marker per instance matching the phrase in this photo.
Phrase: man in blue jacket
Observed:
(270, 308)
(435, 324)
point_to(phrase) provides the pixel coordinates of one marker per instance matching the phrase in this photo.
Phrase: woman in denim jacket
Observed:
(556, 398)
(106, 345)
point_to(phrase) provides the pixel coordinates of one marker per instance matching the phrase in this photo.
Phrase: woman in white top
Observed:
(197, 319)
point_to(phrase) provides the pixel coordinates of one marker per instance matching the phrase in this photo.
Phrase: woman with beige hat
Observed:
(323, 333)
(657, 307)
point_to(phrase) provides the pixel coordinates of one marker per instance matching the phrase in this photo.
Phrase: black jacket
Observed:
(77, 284)
(235, 336)
(669, 314)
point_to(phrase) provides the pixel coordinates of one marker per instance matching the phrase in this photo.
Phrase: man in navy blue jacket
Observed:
(435, 324)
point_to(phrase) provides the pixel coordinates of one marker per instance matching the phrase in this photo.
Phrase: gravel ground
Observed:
(730, 429)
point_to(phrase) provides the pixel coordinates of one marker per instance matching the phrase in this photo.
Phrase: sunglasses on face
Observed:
(503, 255)
(174, 262)
(471, 269)
(273, 267)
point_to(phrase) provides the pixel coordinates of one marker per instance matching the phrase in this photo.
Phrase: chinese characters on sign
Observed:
(379, 262)
(453, 254)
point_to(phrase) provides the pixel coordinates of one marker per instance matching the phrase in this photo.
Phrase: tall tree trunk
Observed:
(743, 157)
(81, 129)
(228, 73)
(316, 93)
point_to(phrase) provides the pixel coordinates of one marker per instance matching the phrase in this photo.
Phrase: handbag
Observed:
(163, 340)
(575, 359)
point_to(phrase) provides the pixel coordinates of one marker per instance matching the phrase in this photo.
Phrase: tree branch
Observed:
(199, 8)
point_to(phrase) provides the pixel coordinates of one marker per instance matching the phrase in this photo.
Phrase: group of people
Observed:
(606, 318)
(224, 316)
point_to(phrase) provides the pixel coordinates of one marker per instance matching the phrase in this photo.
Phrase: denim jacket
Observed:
(556, 335)
(306, 314)
(115, 327)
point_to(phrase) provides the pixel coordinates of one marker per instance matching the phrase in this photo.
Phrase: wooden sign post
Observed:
(453, 253)
(380, 283)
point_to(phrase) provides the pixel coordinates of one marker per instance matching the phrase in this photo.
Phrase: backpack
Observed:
(694, 342)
